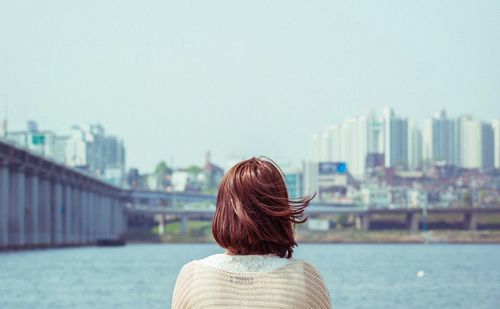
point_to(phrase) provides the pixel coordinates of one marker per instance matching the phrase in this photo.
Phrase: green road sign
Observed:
(38, 139)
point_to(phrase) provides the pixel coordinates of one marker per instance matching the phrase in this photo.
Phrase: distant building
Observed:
(183, 180)
(212, 173)
(294, 181)
(44, 143)
(133, 178)
(414, 147)
(395, 140)
(310, 178)
(375, 195)
(88, 148)
(350, 141)
(441, 140)
(470, 143)
(487, 146)
(495, 124)
(332, 181)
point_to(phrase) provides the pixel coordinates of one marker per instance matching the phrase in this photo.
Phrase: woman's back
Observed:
(254, 221)
(255, 281)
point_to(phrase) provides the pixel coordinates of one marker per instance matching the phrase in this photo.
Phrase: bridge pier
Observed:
(184, 224)
(84, 214)
(75, 204)
(90, 217)
(33, 207)
(17, 209)
(412, 222)
(363, 222)
(68, 209)
(4, 203)
(44, 225)
(470, 221)
(57, 214)
(161, 224)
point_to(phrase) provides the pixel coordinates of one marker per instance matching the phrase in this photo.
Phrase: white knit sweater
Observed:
(249, 281)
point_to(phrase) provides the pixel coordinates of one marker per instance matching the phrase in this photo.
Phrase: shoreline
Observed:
(351, 237)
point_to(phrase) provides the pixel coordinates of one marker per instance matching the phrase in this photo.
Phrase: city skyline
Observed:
(408, 151)
(263, 82)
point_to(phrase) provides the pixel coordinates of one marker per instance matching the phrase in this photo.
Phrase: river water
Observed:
(357, 276)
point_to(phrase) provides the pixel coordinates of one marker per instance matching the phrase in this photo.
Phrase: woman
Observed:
(253, 221)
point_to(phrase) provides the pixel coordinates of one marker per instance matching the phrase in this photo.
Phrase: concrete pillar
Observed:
(91, 219)
(470, 221)
(57, 214)
(44, 213)
(109, 224)
(90, 216)
(112, 220)
(84, 215)
(17, 207)
(366, 222)
(4, 203)
(412, 221)
(161, 224)
(99, 216)
(96, 216)
(68, 208)
(363, 222)
(75, 215)
(184, 224)
(105, 217)
(123, 218)
(357, 222)
(33, 209)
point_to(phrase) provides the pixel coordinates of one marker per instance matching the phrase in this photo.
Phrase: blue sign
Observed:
(331, 168)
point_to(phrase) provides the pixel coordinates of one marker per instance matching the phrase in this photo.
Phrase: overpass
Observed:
(413, 216)
(46, 204)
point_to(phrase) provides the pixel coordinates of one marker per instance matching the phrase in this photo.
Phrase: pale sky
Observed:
(175, 79)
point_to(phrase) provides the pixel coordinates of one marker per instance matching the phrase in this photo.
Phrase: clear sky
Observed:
(175, 79)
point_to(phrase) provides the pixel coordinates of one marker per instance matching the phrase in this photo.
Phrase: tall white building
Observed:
(470, 142)
(395, 140)
(441, 139)
(414, 146)
(495, 124)
(345, 142)
(375, 134)
(310, 180)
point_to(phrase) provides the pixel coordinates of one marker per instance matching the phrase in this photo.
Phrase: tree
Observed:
(163, 169)
(194, 170)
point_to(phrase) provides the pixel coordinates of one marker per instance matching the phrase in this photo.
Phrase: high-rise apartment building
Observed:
(495, 124)
(441, 140)
(414, 146)
(395, 140)
(487, 146)
(470, 142)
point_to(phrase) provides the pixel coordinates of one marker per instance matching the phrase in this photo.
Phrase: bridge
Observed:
(46, 204)
(413, 216)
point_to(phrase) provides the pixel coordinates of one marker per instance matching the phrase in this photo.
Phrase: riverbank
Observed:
(202, 234)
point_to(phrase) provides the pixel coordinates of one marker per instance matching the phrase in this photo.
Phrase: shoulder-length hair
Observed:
(254, 214)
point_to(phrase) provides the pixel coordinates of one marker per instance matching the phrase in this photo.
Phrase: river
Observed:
(357, 276)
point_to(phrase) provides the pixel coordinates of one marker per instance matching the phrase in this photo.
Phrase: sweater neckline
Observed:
(251, 264)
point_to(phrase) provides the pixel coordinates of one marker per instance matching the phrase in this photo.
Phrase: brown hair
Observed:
(254, 214)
